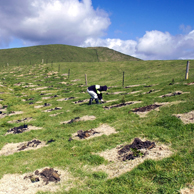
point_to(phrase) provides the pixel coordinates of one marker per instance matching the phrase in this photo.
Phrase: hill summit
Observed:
(60, 53)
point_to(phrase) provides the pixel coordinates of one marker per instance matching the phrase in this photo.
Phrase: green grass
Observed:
(164, 176)
(59, 53)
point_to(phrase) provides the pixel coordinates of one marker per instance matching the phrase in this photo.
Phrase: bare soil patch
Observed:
(15, 113)
(53, 109)
(132, 151)
(151, 91)
(116, 93)
(76, 119)
(192, 83)
(27, 86)
(120, 105)
(62, 82)
(103, 129)
(186, 118)
(189, 190)
(117, 165)
(81, 101)
(27, 99)
(49, 97)
(41, 88)
(134, 92)
(12, 148)
(174, 94)
(21, 129)
(39, 102)
(45, 94)
(65, 99)
(112, 87)
(143, 111)
(53, 115)
(75, 80)
(45, 105)
(28, 119)
(131, 86)
(45, 179)
(2, 115)
(107, 101)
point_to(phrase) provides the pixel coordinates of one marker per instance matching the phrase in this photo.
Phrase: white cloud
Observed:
(185, 29)
(76, 22)
(154, 45)
(124, 46)
(51, 21)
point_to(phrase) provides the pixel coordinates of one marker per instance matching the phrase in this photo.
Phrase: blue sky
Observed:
(134, 17)
(147, 29)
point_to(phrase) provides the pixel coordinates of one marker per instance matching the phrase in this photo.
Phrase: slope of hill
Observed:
(59, 53)
(105, 54)
(46, 123)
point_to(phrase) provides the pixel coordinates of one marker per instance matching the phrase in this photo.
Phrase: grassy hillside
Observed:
(59, 53)
(106, 54)
(88, 164)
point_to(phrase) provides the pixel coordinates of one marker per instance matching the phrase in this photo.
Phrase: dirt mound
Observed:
(84, 134)
(76, 119)
(99, 131)
(52, 109)
(116, 166)
(47, 175)
(120, 105)
(171, 94)
(151, 91)
(73, 120)
(81, 101)
(21, 120)
(64, 99)
(11, 148)
(50, 97)
(15, 183)
(143, 111)
(19, 129)
(33, 143)
(146, 108)
(132, 151)
(45, 105)
(174, 94)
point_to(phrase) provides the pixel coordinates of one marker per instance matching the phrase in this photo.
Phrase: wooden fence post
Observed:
(123, 79)
(59, 68)
(187, 70)
(68, 73)
(86, 79)
(42, 61)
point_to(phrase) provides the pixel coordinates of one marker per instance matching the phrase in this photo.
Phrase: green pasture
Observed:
(168, 175)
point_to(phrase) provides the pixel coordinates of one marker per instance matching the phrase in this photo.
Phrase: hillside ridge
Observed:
(60, 53)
